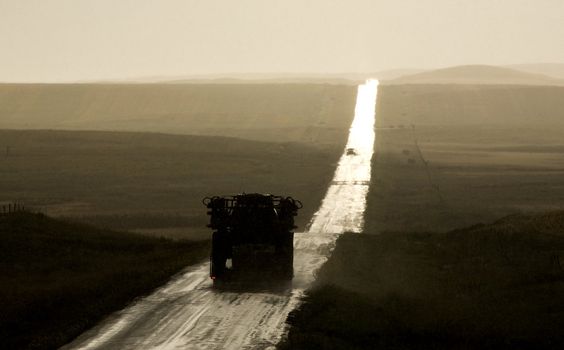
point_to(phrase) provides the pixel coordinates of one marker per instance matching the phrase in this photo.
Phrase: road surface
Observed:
(188, 314)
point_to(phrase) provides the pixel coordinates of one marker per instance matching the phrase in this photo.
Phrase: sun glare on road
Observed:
(361, 135)
(343, 206)
(186, 313)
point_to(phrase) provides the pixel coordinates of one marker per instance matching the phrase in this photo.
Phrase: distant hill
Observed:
(553, 70)
(344, 78)
(243, 78)
(477, 74)
(297, 79)
(394, 73)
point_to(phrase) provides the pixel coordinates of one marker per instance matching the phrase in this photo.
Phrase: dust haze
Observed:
(153, 156)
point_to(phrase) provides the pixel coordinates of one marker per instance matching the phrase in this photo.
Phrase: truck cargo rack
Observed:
(252, 235)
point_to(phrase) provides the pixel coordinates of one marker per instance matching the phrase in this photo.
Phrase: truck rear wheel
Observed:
(287, 255)
(219, 254)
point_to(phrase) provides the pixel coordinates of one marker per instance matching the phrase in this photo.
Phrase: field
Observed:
(313, 113)
(153, 183)
(452, 156)
(495, 286)
(446, 157)
(59, 278)
(426, 273)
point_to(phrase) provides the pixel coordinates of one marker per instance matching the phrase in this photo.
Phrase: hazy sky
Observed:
(62, 40)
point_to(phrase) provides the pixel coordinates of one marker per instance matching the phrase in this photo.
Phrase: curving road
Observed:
(188, 314)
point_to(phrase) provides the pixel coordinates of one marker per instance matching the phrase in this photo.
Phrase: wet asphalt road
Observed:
(187, 313)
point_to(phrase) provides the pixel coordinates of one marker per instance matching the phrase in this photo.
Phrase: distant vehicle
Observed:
(351, 152)
(253, 236)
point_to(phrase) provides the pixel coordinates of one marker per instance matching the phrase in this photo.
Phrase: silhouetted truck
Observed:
(253, 236)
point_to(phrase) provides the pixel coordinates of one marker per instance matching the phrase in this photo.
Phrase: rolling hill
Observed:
(477, 74)
(493, 286)
(554, 70)
(154, 181)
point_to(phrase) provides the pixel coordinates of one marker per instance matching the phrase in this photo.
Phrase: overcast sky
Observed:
(66, 40)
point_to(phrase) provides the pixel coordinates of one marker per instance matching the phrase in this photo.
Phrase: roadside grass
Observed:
(488, 286)
(59, 278)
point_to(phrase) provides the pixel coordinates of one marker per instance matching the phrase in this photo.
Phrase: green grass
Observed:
(59, 278)
(488, 286)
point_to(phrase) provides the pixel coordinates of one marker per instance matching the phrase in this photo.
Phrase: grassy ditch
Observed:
(488, 286)
(59, 278)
